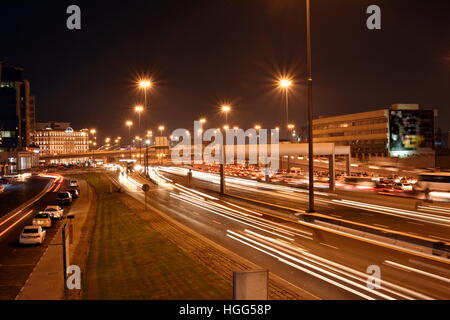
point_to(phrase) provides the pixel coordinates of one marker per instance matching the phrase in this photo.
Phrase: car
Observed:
(64, 198)
(4, 181)
(32, 235)
(2, 188)
(73, 183)
(403, 187)
(42, 219)
(74, 193)
(55, 212)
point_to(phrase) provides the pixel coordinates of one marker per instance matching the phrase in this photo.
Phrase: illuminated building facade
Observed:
(60, 138)
(403, 130)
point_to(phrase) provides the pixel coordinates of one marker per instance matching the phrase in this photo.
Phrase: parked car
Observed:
(73, 183)
(55, 212)
(4, 181)
(74, 193)
(43, 220)
(2, 188)
(32, 235)
(64, 198)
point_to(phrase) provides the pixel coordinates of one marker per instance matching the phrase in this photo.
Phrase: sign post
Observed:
(145, 188)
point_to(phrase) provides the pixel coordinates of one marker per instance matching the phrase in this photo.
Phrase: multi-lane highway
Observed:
(328, 265)
(381, 212)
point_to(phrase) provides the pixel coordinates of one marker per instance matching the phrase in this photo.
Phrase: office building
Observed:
(17, 121)
(402, 131)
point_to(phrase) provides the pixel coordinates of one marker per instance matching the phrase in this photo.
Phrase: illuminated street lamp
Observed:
(291, 130)
(139, 110)
(129, 123)
(145, 84)
(226, 108)
(161, 129)
(284, 84)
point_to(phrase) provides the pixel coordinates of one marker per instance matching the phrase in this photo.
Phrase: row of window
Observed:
(60, 134)
(351, 133)
(347, 124)
(7, 134)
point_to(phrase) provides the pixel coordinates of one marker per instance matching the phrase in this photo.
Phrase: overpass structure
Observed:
(288, 154)
(107, 155)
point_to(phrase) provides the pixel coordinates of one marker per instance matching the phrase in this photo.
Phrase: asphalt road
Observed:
(18, 261)
(386, 213)
(20, 192)
(327, 265)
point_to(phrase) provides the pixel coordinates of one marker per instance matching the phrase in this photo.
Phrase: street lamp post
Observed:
(145, 85)
(310, 107)
(285, 84)
(139, 110)
(226, 108)
(129, 124)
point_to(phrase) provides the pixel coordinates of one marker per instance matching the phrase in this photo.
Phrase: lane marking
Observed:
(428, 274)
(329, 245)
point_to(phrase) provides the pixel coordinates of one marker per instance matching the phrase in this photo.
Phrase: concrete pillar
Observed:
(347, 165)
(331, 172)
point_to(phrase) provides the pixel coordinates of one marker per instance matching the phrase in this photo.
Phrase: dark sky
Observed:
(202, 52)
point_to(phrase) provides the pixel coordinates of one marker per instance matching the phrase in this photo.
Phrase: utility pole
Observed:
(222, 169)
(310, 108)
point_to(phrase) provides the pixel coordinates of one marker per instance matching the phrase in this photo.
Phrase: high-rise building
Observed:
(17, 120)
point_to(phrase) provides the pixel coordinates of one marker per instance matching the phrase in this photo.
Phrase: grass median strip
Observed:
(128, 259)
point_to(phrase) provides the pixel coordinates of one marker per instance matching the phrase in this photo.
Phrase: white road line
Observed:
(428, 274)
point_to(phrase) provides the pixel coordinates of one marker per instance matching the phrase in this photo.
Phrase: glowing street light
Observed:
(226, 108)
(139, 109)
(161, 129)
(145, 84)
(284, 84)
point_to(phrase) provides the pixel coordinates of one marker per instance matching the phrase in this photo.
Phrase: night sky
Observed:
(200, 53)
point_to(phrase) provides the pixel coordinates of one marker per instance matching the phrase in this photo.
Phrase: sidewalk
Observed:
(46, 282)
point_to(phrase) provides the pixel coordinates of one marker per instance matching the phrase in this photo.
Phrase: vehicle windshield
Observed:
(31, 230)
(62, 194)
(50, 209)
(41, 216)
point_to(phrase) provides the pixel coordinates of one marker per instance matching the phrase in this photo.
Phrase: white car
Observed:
(32, 235)
(43, 220)
(55, 212)
(73, 183)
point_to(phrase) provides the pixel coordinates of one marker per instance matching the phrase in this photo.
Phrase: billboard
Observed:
(410, 130)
